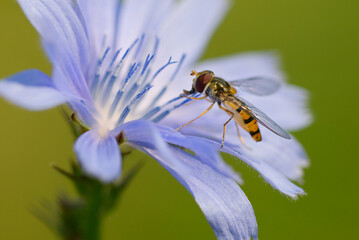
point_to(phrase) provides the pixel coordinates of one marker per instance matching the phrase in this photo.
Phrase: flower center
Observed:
(123, 79)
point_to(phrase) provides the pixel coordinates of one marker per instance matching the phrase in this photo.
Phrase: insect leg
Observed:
(227, 111)
(224, 129)
(196, 117)
(197, 100)
(235, 123)
(193, 98)
(241, 138)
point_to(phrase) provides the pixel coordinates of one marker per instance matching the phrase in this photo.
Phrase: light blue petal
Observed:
(286, 156)
(58, 24)
(31, 89)
(144, 133)
(137, 17)
(273, 176)
(225, 206)
(288, 107)
(98, 155)
(276, 159)
(204, 151)
(64, 37)
(244, 65)
(84, 112)
(84, 108)
(189, 28)
(223, 203)
(101, 18)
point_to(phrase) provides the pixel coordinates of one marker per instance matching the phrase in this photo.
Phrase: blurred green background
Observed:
(319, 42)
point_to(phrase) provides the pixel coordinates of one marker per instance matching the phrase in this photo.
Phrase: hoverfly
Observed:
(246, 115)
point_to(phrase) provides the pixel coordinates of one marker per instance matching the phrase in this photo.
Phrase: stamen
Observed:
(146, 69)
(98, 71)
(157, 43)
(117, 70)
(165, 113)
(139, 46)
(115, 103)
(132, 71)
(155, 110)
(129, 49)
(161, 116)
(132, 90)
(163, 67)
(128, 107)
(109, 80)
(117, 21)
(120, 92)
(118, 78)
(105, 54)
(115, 57)
(108, 72)
(152, 112)
(149, 58)
(164, 89)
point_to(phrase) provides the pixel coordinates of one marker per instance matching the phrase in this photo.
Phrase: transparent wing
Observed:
(262, 118)
(260, 86)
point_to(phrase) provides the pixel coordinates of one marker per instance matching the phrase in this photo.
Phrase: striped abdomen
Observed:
(245, 120)
(251, 124)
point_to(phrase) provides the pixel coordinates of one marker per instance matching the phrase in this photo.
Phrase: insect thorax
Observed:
(218, 89)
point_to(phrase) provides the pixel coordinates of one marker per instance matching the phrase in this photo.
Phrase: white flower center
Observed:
(121, 81)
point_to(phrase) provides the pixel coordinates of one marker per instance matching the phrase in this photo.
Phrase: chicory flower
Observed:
(119, 65)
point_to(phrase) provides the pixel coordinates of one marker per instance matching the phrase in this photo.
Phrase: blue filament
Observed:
(108, 84)
(163, 67)
(149, 58)
(119, 94)
(98, 70)
(155, 110)
(127, 109)
(133, 69)
(164, 89)
(110, 70)
(140, 45)
(165, 113)
(129, 49)
(161, 116)
(152, 112)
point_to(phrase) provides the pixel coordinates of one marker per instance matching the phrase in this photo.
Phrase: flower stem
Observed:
(81, 218)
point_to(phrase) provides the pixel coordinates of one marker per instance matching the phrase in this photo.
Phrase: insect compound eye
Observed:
(202, 81)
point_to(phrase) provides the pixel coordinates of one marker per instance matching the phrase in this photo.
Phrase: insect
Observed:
(245, 114)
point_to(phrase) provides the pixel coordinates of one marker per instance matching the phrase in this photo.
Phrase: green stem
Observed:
(93, 216)
(82, 219)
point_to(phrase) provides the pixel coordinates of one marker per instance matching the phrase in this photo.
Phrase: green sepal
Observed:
(81, 218)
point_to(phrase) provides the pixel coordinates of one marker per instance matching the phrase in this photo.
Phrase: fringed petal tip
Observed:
(99, 156)
(270, 173)
(298, 194)
(32, 90)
